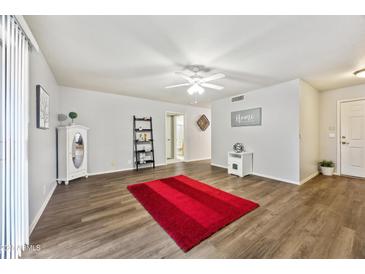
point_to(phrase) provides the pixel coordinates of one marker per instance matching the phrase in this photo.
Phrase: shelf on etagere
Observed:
(143, 119)
(144, 151)
(145, 141)
(146, 162)
(143, 129)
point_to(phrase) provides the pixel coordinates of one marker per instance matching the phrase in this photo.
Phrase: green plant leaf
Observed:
(326, 163)
(72, 115)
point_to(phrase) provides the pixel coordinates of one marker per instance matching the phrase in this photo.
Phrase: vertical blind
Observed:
(14, 223)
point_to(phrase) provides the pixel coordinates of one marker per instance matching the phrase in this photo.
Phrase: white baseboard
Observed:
(194, 160)
(309, 178)
(132, 168)
(218, 165)
(115, 170)
(276, 178)
(262, 175)
(40, 211)
(109, 171)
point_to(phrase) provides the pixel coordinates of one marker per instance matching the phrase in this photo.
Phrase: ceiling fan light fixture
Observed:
(195, 89)
(196, 82)
(360, 73)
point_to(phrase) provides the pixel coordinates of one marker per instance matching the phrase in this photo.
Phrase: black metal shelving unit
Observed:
(137, 150)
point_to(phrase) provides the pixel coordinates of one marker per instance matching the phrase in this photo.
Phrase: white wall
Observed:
(42, 143)
(109, 118)
(275, 144)
(309, 131)
(328, 117)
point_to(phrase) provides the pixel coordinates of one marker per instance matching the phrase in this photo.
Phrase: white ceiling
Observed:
(138, 55)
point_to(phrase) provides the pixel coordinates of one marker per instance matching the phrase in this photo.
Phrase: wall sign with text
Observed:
(247, 117)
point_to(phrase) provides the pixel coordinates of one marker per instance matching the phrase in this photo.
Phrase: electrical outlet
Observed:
(129, 161)
(113, 163)
(44, 189)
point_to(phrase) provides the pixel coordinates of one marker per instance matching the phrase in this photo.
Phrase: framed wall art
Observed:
(203, 122)
(42, 98)
(247, 117)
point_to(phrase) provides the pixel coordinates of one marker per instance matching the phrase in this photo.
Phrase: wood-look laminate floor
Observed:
(98, 218)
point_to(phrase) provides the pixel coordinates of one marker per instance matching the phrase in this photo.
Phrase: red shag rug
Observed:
(188, 210)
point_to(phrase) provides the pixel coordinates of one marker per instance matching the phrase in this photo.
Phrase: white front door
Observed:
(353, 138)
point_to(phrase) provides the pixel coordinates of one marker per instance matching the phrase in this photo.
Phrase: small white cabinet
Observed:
(71, 153)
(240, 164)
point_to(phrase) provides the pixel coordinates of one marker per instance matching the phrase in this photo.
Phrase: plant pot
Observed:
(327, 171)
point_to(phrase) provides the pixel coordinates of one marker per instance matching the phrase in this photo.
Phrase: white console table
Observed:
(240, 164)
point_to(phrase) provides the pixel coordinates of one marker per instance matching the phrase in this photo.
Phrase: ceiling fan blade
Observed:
(186, 77)
(188, 72)
(212, 77)
(207, 85)
(179, 85)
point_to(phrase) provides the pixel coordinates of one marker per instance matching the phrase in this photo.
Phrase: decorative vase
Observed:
(238, 147)
(327, 171)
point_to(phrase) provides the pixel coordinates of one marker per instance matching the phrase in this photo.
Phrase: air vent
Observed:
(238, 98)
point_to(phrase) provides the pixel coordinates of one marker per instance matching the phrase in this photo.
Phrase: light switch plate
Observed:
(332, 135)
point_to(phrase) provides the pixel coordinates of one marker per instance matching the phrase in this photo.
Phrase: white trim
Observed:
(73, 126)
(309, 178)
(116, 170)
(40, 211)
(167, 112)
(262, 175)
(338, 132)
(195, 160)
(218, 165)
(276, 178)
(23, 24)
(173, 161)
(131, 168)
(109, 171)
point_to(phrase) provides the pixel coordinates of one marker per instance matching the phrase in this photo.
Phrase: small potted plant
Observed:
(327, 167)
(72, 115)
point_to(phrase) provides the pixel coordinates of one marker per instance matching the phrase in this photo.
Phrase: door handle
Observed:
(345, 143)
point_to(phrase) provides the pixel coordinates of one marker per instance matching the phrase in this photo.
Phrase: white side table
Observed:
(240, 164)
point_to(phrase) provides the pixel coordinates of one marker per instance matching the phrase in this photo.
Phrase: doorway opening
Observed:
(352, 138)
(174, 137)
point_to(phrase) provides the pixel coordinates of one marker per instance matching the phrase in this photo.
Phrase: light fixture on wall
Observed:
(360, 73)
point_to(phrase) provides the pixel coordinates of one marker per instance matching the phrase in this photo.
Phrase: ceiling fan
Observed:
(196, 82)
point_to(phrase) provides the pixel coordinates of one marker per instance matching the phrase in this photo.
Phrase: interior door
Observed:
(169, 137)
(353, 138)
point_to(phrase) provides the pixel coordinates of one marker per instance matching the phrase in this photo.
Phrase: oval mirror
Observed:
(77, 150)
